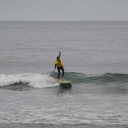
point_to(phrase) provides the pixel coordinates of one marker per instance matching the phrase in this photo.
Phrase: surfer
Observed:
(59, 66)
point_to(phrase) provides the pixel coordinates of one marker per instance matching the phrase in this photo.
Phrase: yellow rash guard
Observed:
(58, 63)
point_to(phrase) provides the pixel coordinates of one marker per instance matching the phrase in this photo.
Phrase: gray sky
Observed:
(64, 10)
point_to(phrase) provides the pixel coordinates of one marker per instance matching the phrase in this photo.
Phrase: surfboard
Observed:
(64, 83)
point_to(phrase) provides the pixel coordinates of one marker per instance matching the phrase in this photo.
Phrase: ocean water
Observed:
(95, 59)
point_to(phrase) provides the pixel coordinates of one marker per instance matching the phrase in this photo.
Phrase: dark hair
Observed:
(57, 57)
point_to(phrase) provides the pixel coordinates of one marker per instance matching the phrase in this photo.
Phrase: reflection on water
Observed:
(64, 88)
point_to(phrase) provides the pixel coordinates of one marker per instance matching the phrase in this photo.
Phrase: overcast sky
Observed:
(64, 10)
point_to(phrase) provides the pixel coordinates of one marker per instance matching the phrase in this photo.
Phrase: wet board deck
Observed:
(64, 83)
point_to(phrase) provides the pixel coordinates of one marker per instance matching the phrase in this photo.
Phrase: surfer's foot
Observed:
(63, 78)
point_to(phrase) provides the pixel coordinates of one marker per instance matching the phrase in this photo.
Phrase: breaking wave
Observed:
(27, 79)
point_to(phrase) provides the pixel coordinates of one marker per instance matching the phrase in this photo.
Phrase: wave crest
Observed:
(28, 80)
(33, 80)
(76, 78)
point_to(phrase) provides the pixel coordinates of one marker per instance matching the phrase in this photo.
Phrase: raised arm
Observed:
(59, 53)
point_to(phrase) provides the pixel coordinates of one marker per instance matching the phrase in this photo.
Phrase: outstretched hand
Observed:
(59, 52)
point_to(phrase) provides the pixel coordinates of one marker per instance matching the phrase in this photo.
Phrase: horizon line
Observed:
(63, 21)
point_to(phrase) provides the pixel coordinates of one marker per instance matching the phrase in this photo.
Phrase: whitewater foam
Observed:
(33, 80)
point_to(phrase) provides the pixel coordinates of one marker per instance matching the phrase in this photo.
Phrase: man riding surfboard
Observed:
(59, 66)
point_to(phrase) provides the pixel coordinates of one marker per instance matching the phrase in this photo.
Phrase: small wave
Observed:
(27, 80)
(33, 80)
(76, 78)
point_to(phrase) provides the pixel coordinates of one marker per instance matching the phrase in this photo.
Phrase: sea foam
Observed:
(33, 80)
